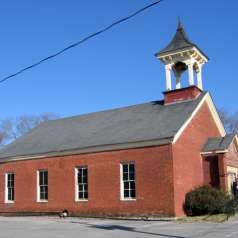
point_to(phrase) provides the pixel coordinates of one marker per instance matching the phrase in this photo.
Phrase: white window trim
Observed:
(122, 198)
(231, 170)
(76, 189)
(6, 189)
(38, 187)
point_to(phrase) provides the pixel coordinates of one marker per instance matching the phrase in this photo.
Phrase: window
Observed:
(128, 187)
(81, 176)
(42, 188)
(9, 187)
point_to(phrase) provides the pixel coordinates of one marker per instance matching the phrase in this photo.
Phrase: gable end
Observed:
(207, 98)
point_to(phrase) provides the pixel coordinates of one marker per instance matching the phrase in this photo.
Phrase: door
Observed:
(211, 170)
(231, 180)
(232, 173)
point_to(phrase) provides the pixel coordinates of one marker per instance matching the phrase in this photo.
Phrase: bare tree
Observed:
(26, 123)
(230, 121)
(1, 139)
(12, 128)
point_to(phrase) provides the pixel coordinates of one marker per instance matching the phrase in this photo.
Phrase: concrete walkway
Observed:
(50, 227)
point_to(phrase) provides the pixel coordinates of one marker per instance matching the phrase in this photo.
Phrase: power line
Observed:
(82, 41)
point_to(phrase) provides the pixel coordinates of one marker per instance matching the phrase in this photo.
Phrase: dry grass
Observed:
(219, 218)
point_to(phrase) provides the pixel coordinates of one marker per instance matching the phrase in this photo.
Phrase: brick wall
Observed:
(182, 94)
(188, 163)
(154, 183)
(232, 156)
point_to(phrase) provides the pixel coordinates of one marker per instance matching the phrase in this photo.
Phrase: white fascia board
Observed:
(200, 54)
(207, 98)
(181, 52)
(235, 141)
(214, 152)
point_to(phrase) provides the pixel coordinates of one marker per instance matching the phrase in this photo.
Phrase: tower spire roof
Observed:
(179, 41)
(179, 22)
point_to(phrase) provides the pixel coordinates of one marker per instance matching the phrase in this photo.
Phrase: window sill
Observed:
(81, 200)
(9, 202)
(128, 199)
(42, 201)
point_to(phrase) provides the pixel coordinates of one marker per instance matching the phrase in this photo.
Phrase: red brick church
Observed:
(138, 160)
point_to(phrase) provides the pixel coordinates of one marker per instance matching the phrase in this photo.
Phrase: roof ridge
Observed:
(106, 110)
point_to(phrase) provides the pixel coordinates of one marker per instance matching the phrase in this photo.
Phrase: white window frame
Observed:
(122, 198)
(231, 170)
(6, 188)
(77, 199)
(38, 186)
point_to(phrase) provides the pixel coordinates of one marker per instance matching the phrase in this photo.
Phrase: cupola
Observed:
(179, 56)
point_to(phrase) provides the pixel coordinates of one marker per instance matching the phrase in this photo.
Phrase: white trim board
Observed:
(214, 152)
(235, 140)
(207, 98)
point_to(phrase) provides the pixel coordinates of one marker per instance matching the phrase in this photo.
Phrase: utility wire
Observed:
(82, 41)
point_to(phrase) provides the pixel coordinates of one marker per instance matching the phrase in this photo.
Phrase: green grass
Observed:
(219, 218)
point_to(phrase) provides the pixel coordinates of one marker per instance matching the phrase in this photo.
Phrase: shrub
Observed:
(231, 207)
(205, 200)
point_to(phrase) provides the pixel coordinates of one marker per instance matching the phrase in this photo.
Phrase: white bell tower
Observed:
(182, 55)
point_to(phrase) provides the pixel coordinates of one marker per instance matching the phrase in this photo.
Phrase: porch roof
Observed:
(218, 143)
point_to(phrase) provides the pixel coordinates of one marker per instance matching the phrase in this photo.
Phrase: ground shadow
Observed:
(127, 228)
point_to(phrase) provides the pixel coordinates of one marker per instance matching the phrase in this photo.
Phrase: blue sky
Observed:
(117, 68)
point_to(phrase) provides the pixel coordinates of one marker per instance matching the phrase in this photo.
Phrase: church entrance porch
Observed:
(211, 171)
(220, 162)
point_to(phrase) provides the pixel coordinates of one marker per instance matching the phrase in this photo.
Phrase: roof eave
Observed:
(93, 149)
(162, 54)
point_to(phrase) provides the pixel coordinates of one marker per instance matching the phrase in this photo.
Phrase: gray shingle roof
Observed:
(180, 41)
(218, 143)
(139, 123)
